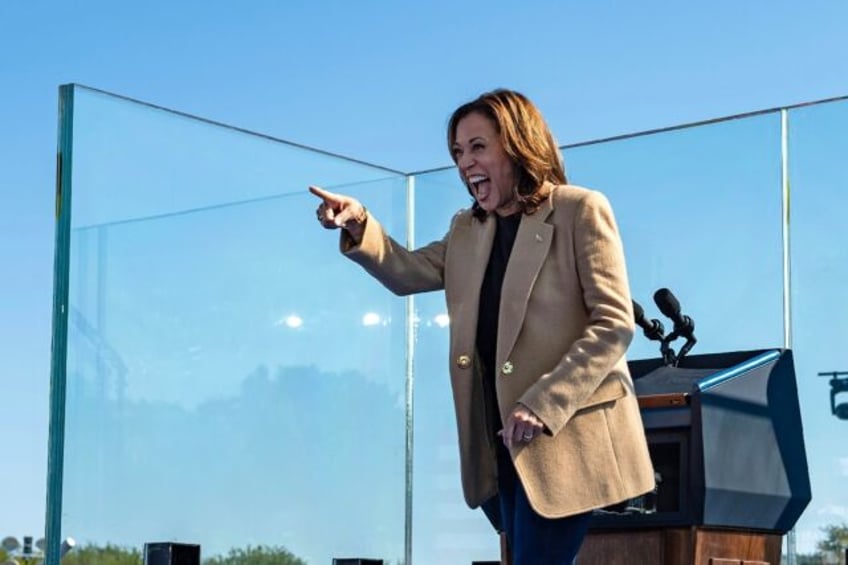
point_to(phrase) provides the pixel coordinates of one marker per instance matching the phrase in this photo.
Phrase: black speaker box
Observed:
(170, 553)
(356, 561)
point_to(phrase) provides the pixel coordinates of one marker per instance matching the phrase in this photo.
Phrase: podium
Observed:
(724, 433)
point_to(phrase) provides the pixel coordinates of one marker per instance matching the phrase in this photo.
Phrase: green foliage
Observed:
(258, 555)
(835, 540)
(829, 550)
(807, 559)
(108, 555)
(115, 555)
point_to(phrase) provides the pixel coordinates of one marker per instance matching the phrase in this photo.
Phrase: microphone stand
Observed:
(690, 342)
(669, 357)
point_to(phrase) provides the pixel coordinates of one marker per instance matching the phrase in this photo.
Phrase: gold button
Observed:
(463, 361)
(507, 368)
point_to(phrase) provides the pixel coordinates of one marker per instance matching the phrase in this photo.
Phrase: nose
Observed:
(465, 162)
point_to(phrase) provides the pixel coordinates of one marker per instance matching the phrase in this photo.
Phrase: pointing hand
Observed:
(340, 211)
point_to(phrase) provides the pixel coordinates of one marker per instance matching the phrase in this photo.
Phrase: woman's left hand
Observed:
(521, 427)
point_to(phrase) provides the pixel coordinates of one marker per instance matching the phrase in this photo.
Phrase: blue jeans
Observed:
(534, 539)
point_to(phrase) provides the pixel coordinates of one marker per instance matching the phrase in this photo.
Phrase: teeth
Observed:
(476, 178)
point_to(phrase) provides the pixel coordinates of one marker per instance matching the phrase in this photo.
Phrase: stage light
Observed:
(10, 544)
(294, 321)
(67, 545)
(838, 385)
(25, 552)
(371, 319)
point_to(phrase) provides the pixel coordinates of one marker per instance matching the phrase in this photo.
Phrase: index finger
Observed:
(325, 195)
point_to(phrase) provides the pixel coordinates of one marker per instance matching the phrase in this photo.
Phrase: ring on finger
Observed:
(527, 437)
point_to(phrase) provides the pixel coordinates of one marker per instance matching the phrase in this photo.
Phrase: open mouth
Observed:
(480, 184)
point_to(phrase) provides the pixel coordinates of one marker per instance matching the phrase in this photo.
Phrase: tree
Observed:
(807, 559)
(107, 555)
(830, 550)
(115, 555)
(258, 555)
(835, 541)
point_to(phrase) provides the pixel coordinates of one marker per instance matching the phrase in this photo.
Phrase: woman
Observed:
(540, 311)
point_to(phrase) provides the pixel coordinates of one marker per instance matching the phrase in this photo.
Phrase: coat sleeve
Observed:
(578, 378)
(401, 271)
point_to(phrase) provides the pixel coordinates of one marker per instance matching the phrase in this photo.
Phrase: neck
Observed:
(508, 209)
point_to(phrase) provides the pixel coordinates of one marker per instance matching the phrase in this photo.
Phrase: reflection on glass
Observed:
(445, 530)
(134, 161)
(699, 212)
(226, 384)
(819, 181)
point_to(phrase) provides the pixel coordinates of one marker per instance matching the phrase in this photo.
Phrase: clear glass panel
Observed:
(700, 213)
(130, 163)
(445, 529)
(819, 181)
(232, 379)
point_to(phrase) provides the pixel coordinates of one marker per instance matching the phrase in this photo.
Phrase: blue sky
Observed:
(374, 80)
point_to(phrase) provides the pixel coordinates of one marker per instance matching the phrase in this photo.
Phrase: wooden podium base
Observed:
(680, 546)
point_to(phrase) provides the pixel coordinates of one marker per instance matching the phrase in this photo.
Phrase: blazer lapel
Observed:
(532, 243)
(471, 244)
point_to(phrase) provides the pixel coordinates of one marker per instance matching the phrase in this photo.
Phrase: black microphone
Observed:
(653, 329)
(670, 307)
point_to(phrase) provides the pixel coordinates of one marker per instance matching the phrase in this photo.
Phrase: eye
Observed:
(456, 153)
(477, 146)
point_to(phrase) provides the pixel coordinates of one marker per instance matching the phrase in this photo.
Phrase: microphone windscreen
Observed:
(667, 303)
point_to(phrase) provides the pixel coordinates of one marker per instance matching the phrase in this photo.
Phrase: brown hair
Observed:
(524, 136)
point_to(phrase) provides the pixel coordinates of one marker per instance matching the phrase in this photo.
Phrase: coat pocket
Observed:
(611, 389)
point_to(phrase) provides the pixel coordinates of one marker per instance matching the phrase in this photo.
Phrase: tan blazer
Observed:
(565, 322)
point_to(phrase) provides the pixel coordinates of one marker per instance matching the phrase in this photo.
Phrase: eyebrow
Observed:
(456, 144)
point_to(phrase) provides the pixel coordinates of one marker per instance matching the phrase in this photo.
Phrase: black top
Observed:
(487, 320)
